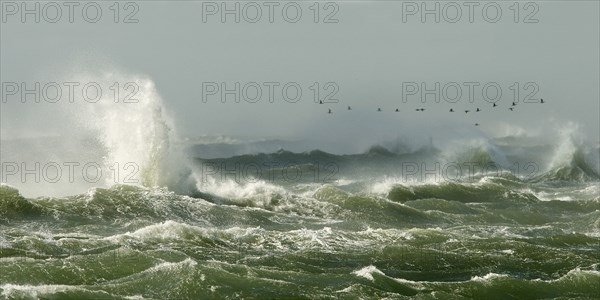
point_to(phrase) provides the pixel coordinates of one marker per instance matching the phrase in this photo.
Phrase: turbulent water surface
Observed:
(479, 217)
(360, 229)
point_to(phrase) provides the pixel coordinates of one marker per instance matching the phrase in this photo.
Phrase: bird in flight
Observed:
(494, 104)
(478, 109)
(466, 111)
(451, 110)
(511, 108)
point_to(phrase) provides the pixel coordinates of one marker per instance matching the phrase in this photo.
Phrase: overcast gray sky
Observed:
(367, 54)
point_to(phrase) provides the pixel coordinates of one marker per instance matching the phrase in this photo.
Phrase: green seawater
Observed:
(489, 238)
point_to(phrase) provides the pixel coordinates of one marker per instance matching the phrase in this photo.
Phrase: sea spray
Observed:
(134, 130)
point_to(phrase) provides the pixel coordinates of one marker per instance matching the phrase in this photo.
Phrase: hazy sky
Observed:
(366, 55)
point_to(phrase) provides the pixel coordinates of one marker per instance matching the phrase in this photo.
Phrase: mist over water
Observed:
(134, 141)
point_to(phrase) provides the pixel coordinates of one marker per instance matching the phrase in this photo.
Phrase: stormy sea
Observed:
(511, 217)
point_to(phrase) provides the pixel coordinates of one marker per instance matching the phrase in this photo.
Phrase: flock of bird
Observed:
(511, 108)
